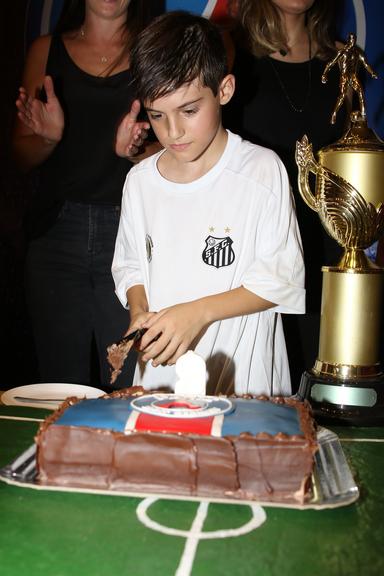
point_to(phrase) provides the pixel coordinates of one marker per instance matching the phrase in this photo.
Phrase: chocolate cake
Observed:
(252, 449)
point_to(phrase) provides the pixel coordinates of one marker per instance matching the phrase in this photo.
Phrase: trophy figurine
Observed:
(346, 383)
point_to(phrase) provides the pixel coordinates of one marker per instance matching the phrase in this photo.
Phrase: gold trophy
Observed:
(346, 384)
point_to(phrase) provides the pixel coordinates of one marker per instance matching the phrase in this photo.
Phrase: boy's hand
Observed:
(138, 320)
(171, 331)
(45, 119)
(131, 133)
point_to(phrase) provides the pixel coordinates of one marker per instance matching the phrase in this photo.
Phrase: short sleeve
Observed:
(277, 273)
(126, 270)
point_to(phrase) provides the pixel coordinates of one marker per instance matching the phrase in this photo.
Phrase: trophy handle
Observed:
(306, 163)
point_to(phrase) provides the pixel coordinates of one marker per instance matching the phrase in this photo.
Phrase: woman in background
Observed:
(76, 94)
(282, 49)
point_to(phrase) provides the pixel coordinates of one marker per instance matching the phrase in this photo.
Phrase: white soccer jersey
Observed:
(234, 226)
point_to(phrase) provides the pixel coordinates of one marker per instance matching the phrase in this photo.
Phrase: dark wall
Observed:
(12, 46)
(16, 348)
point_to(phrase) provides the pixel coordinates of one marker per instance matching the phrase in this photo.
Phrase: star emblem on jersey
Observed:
(218, 252)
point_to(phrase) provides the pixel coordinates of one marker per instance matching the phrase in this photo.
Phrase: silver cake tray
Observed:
(332, 481)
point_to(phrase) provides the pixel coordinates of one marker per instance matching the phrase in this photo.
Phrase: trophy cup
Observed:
(346, 384)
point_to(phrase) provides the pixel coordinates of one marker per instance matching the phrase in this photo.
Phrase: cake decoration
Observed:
(262, 449)
(117, 353)
(191, 371)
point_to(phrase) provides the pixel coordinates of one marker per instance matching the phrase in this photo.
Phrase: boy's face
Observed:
(187, 122)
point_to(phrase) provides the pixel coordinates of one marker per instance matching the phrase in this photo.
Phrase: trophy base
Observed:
(345, 402)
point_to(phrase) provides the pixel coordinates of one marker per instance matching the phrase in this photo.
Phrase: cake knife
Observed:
(135, 336)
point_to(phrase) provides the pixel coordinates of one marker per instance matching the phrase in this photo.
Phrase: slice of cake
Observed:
(238, 448)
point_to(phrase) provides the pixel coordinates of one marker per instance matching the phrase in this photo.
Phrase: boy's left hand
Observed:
(176, 327)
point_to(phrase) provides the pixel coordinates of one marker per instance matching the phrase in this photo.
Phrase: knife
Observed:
(135, 336)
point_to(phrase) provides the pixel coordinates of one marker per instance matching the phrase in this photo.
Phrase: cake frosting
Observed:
(246, 448)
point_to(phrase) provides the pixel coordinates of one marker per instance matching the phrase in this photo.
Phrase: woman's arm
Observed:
(39, 126)
(131, 137)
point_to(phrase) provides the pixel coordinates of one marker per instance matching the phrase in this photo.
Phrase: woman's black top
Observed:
(274, 105)
(83, 167)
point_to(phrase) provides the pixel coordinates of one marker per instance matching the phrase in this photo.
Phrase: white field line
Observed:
(196, 533)
(22, 418)
(361, 439)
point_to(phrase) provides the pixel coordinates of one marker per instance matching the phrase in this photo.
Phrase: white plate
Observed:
(47, 395)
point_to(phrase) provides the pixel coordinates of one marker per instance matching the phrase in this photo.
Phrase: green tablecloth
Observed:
(47, 533)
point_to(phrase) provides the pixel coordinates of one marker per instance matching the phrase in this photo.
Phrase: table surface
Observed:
(51, 533)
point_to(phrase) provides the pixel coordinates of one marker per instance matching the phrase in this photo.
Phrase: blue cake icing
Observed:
(249, 415)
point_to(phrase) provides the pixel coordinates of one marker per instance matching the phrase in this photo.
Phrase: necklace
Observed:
(284, 90)
(103, 59)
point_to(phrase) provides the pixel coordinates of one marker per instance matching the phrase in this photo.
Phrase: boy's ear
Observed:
(226, 88)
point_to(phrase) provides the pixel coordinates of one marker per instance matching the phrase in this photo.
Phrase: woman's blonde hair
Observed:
(264, 30)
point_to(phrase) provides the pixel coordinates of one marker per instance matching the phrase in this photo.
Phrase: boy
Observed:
(208, 250)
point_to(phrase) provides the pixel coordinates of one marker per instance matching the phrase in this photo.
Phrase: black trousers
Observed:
(71, 298)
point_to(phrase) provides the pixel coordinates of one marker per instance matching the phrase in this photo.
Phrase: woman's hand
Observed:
(131, 133)
(171, 331)
(45, 119)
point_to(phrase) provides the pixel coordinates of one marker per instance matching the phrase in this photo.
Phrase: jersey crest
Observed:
(218, 252)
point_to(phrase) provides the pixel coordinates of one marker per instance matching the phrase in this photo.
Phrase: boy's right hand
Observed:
(45, 119)
(171, 331)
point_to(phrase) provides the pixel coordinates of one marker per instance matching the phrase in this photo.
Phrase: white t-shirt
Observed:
(234, 226)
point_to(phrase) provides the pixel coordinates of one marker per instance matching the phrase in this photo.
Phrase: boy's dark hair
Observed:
(175, 49)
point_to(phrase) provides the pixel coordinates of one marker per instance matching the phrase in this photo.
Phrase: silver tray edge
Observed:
(332, 482)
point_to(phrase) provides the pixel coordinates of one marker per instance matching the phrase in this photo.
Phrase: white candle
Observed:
(191, 371)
